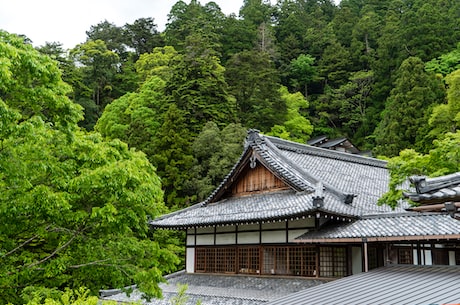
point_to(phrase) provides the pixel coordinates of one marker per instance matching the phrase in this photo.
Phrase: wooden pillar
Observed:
(365, 254)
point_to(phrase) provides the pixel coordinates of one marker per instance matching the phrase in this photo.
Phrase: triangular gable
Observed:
(281, 172)
(261, 168)
(256, 179)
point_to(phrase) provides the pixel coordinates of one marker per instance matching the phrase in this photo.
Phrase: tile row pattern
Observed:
(398, 225)
(396, 284)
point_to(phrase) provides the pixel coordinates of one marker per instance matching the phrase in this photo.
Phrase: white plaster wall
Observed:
(428, 258)
(274, 237)
(190, 240)
(226, 239)
(452, 258)
(190, 260)
(356, 260)
(248, 238)
(207, 239)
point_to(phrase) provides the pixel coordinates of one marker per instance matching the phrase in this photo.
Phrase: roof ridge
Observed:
(323, 152)
(424, 184)
(302, 174)
(402, 214)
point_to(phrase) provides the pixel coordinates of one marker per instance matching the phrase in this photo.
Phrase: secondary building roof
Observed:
(211, 289)
(406, 226)
(318, 180)
(397, 284)
(436, 194)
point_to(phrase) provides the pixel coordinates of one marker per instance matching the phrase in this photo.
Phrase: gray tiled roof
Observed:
(221, 289)
(397, 284)
(400, 226)
(305, 169)
(435, 190)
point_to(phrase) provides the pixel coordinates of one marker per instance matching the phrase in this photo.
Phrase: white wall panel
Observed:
(356, 260)
(226, 239)
(207, 239)
(248, 238)
(190, 240)
(274, 237)
(452, 258)
(190, 261)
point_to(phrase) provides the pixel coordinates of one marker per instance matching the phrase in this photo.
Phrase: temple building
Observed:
(290, 209)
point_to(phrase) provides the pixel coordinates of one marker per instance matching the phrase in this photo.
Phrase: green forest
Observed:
(135, 122)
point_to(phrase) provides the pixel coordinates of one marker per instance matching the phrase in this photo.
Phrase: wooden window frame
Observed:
(281, 260)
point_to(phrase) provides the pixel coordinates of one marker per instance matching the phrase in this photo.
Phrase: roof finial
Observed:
(253, 134)
(318, 197)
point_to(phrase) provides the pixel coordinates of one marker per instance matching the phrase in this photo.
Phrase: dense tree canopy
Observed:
(383, 73)
(367, 37)
(32, 84)
(74, 207)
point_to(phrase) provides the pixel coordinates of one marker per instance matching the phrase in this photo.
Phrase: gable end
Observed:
(256, 180)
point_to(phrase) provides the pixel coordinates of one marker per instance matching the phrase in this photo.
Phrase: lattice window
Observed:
(302, 261)
(405, 256)
(215, 260)
(333, 262)
(284, 260)
(249, 260)
(200, 260)
(205, 259)
(275, 260)
(225, 260)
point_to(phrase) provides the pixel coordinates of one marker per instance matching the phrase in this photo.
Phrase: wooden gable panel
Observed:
(258, 179)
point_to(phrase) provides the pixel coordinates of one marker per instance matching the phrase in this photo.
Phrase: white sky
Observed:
(67, 21)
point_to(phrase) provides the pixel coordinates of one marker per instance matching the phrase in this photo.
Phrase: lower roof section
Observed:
(213, 289)
(397, 227)
(396, 284)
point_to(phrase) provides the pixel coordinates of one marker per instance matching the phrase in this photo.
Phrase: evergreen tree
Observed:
(135, 117)
(407, 108)
(193, 19)
(253, 80)
(98, 67)
(112, 36)
(198, 87)
(303, 72)
(142, 36)
(173, 158)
